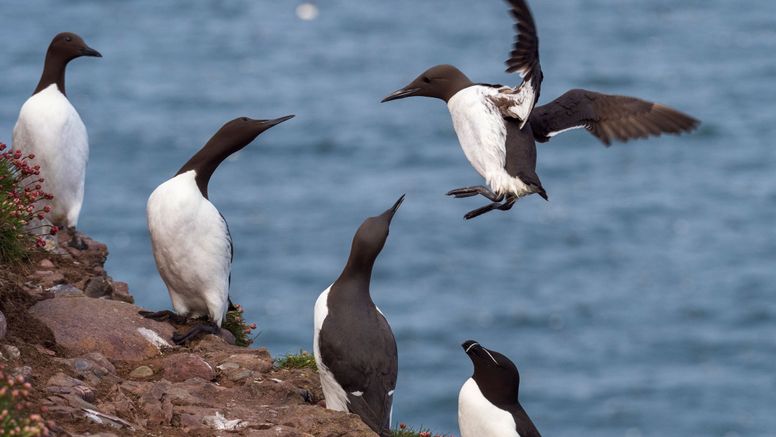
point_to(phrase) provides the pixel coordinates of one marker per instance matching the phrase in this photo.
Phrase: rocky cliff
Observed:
(97, 368)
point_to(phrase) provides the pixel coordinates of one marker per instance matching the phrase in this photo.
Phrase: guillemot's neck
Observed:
(53, 73)
(205, 162)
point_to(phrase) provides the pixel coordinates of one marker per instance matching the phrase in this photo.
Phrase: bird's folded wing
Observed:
(608, 117)
(373, 406)
(366, 374)
(524, 59)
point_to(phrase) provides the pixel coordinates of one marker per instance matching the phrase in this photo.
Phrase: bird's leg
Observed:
(480, 211)
(507, 205)
(164, 316)
(196, 331)
(473, 191)
(76, 242)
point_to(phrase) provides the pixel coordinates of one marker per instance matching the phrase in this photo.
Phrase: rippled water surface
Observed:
(639, 301)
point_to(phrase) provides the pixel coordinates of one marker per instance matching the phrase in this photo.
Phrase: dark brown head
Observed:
(232, 136)
(368, 242)
(65, 47)
(495, 374)
(441, 82)
(68, 46)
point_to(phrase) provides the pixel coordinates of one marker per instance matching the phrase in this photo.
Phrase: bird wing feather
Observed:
(608, 117)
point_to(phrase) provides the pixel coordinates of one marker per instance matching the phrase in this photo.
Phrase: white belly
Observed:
(482, 135)
(50, 127)
(477, 417)
(191, 247)
(336, 398)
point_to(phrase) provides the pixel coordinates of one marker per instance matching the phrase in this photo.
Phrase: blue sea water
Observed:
(639, 301)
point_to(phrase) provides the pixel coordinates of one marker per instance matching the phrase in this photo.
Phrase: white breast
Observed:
(191, 247)
(477, 417)
(480, 129)
(336, 398)
(50, 127)
(482, 134)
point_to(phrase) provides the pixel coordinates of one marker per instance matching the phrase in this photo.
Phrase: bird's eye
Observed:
(244, 119)
(68, 39)
(426, 79)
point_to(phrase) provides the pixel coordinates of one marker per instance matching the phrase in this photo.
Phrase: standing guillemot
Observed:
(50, 127)
(487, 402)
(354, 346)
(190, 238)
(498, 126)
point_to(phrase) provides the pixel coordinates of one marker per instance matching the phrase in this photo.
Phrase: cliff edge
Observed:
(98, 368)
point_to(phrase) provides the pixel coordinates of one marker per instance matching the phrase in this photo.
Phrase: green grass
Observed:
(234, 323)
(407, 431)
(302, 360)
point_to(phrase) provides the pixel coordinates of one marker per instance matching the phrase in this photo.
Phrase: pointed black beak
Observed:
(396, 205)
(88, 51)
(400, 94)
(266, 124)
(392, 210)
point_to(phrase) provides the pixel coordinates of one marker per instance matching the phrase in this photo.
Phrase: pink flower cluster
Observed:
(24, 190)
(15, 419)
(248, 328)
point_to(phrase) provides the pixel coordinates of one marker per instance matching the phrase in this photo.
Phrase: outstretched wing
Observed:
(608, 117)
(524, 59)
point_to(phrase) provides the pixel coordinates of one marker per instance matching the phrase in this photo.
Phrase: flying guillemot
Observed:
(488, 402)
(355, 349)
(190, 238)
(50, 128)
(498, 126)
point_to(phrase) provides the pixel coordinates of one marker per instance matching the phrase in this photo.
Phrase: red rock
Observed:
(180, 367)
(46, 264)
(3, 326)
(121, 292)
(82, 325)
(64, 385)
(98, 287)
(279, 431)
(258, 360)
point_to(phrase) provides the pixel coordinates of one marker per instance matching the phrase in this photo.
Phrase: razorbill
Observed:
(190, 238)
(498, 126)
(50, 128)
(487, 402)
(354, 346)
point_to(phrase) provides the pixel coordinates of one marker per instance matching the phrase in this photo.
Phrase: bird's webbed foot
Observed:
(76, 241)
(195, 332)
(505, 206)
(164, 316)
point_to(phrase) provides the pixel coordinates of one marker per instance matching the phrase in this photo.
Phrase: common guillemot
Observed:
(498, 126)
(355, 349)
(190, 238)
(488, 403)
(50, 128)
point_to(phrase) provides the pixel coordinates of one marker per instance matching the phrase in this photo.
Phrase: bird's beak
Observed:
(266, 124)
(88, 51)
(390, 212)
(400, 94)
(469, 345)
